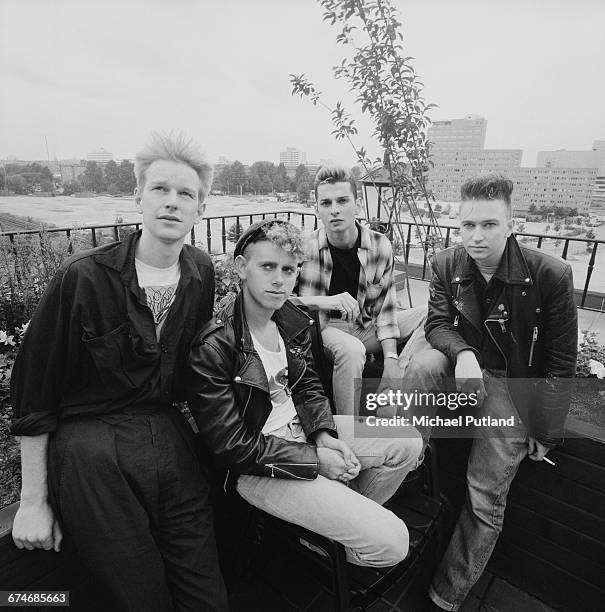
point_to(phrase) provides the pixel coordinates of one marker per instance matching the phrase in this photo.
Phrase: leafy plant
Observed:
(10, 463)
(234, 231)
(390, 92)
(589, 348)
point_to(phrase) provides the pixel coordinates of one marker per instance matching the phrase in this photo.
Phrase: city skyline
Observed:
(87, 77)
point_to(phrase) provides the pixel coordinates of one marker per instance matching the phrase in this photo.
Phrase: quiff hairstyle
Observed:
(328, 175)
(281, 233)
(491, 186)
(174, 146)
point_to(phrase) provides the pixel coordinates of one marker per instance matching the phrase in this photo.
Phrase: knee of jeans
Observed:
(406, 452)
(396, 543)
(428, 363)
(352, 351)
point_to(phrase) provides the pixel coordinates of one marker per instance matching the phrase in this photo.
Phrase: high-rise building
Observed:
(451, 169)
(457, 134)
(594, 158)
(572, 187)
(101, 156)
(457, 153)
(292, 158)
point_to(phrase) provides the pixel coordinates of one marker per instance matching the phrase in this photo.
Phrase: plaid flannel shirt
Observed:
(375, 292)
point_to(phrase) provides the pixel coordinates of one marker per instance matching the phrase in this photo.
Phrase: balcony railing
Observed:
(213, 234)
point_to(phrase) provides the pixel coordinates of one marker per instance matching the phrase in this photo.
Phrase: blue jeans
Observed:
(352, 515)
(346, 345)
(492, 465)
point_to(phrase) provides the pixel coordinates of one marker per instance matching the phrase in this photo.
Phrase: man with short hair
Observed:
(348, 277)
(504, 317)
(262, 412)
(107, 457)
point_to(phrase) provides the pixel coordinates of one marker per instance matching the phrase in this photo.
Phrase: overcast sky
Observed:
(103, 74)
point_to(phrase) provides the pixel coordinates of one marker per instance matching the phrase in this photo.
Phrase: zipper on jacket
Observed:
(456, 320)
(489, 331)
(533, 344)
(275, 466)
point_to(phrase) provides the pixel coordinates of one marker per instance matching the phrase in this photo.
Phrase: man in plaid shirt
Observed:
(348, 276)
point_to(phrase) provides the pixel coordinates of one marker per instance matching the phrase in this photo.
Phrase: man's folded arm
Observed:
(223, 429)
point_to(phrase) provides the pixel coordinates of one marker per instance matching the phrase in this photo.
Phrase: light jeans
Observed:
(347, 344)
(492, 465)
(352, 515)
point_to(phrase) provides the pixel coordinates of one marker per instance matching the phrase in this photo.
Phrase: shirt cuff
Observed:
(35, 424)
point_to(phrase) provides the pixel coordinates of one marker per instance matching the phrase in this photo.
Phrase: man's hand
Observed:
(35, 526)
(343, 302)
(344, 469)
(469, 378)
(536, 451)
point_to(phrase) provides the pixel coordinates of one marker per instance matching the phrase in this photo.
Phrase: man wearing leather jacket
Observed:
(504, 317)
(262, 412)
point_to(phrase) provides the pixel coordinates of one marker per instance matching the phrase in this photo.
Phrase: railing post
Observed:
(70, 248)
(540, 242)
(589, 272)
(447, 237)
(564, 255)
(94, 237)
(224, 235)
(208, 236)
(425, 249)
(116, 233)
(408, 242)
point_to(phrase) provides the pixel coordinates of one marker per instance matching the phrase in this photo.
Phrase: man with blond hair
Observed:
(107, 457)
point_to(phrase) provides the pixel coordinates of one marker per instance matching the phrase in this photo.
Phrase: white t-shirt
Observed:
(160, 286)
(276, 369)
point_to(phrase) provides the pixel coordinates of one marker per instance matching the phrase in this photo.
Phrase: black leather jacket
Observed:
(533, 323)
(228, 395)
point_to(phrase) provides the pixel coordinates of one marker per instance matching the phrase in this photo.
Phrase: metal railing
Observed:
(214, 234)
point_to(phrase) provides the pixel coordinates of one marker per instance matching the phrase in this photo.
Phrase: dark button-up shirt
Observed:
(91, 346)
(489, 292)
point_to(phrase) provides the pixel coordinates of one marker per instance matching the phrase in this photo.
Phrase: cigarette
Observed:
(548, 460)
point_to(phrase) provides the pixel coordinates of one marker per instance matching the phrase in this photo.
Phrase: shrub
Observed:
(588, 348)
(10, 465)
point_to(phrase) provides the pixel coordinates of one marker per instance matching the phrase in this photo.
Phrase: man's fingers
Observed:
(57, 536)
(48, 543)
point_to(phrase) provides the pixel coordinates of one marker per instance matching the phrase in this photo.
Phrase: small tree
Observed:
(390, 92)
(234, 232)
(17, 184)
(302, 190)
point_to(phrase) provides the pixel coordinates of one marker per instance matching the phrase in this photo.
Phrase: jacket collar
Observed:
(513, 268)
(290, 320)
(364, 232)
(121, 258)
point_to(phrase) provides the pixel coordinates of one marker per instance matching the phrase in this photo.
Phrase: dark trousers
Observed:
(133, 500)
